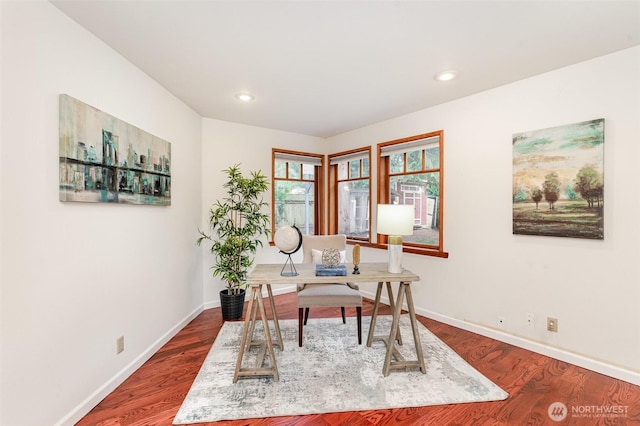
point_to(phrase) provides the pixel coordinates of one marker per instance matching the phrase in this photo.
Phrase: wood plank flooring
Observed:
(154, 393)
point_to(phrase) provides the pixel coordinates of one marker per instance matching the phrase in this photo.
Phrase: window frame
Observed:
(384, 175)
(333, 194)
(318, 214)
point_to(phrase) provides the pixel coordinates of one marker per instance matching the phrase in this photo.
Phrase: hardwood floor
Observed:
(154, 393)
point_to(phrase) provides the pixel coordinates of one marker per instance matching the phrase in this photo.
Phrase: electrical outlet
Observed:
(502, 322)
(530, 321)
(552, 324)
(119, 344)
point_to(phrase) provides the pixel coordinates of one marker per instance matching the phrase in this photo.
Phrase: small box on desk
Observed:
(331, 271)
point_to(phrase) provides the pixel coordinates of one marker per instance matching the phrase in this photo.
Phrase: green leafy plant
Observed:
(237, 224)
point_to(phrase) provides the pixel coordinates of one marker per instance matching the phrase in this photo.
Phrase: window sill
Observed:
(405, 249)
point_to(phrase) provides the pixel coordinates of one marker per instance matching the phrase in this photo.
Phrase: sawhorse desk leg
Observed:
(256, 303)
(392, 352)
(374, 316)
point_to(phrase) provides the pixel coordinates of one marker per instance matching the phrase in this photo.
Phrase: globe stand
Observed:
(292, 272)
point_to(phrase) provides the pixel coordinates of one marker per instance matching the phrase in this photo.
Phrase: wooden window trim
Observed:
(333, 192)
(318, 181)
(383, 193)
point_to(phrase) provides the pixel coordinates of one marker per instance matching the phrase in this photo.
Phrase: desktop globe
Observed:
(289, 240)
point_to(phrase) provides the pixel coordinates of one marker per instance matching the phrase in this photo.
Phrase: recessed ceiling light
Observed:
(446, 75)
(244, 97)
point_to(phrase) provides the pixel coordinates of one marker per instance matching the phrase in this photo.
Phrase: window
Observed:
(350, 194)
(297, 188)
(411, 172)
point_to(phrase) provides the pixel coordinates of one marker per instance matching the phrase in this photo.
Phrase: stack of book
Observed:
(331, 271)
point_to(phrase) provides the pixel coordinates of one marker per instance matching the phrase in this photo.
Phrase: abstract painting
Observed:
(558, 181)
(106, 160)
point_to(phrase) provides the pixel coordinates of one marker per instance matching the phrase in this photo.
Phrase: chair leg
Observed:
(303, 315)
(359, 311)
(300, 315)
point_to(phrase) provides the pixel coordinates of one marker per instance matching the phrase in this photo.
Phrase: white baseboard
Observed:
(94, 399)
(538, 347)
(560, 354)
(533, 346)
(521, 342)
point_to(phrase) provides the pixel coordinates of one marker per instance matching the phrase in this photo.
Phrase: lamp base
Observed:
(395, 254)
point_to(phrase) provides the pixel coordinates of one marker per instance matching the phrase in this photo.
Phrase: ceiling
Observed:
(322, 68)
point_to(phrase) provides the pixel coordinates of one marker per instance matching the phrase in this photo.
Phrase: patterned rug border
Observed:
(342, 375)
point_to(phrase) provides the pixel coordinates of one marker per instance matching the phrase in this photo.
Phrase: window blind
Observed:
(416, 145)
(298, 158)
(349, 157)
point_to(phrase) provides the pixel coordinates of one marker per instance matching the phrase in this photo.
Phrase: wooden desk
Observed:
(268, 274)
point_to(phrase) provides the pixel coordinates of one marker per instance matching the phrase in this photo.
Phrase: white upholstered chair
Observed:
(338, 294)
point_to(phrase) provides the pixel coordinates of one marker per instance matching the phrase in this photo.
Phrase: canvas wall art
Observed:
(106, 160)
(558, 181)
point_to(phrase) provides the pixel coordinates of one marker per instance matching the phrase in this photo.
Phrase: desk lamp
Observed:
(395, 220)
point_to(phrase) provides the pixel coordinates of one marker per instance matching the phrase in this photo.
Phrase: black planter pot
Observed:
(232, 305)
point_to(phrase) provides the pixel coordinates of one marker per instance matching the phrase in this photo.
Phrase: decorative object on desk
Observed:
(395, 220)
(317, 256)
(332, 361)
(289, 240)
(237, 223)
(331, 270)
(330, 257)
(356, 259)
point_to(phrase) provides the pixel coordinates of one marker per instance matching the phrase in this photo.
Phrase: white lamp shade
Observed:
(395, 219)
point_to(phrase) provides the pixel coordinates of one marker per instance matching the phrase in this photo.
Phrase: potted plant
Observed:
(237, 225)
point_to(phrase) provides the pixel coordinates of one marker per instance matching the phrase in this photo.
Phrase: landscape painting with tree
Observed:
(558, 181)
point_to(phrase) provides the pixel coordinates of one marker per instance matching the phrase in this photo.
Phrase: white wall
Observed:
(592, 287)
(1, 221)
(225, 144)
(73, 277)
(76, 276)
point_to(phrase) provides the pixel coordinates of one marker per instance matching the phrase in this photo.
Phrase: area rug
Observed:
(330, 373)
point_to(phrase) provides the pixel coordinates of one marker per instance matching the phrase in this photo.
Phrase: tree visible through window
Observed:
(410, 172)
(297, 181)
(350, 195)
